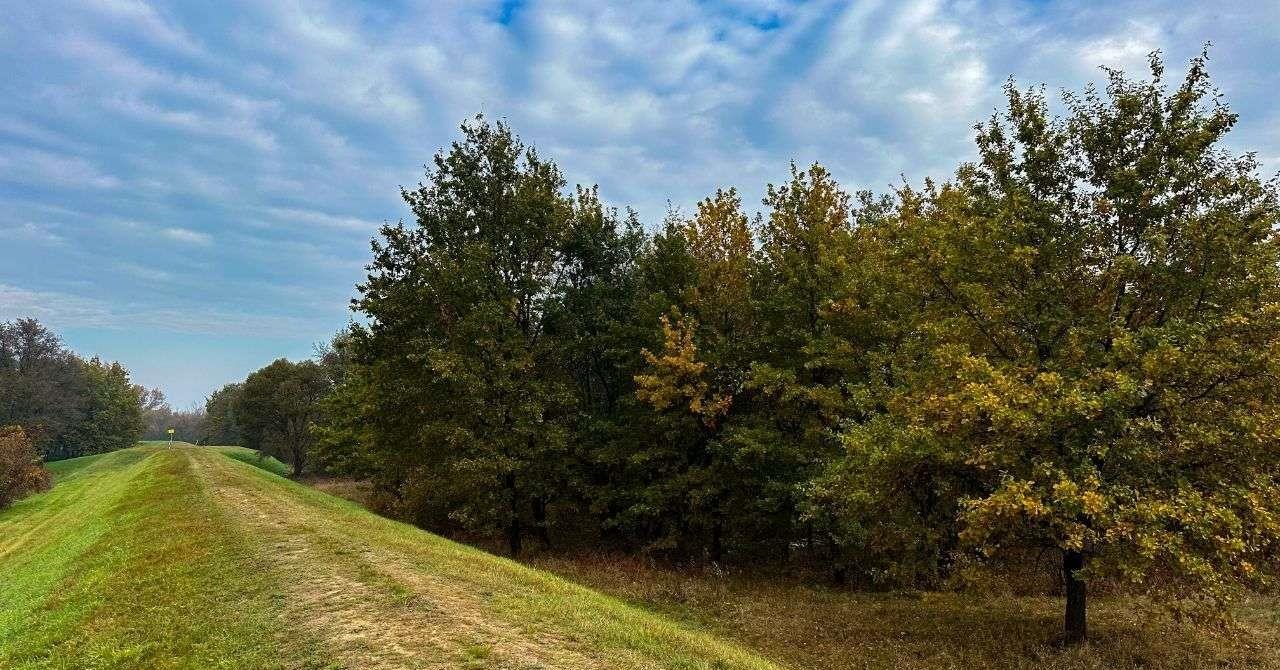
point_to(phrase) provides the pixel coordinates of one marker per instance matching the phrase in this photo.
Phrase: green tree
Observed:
(42, 386)
(220, 425)
(1095, 366)
(277, 409)
(692, 380)
(113, 416)
(806, 360)
(465, 391)
(599, 331)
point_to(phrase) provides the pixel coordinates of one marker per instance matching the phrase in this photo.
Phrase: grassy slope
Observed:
(184, 558)
(255, 458)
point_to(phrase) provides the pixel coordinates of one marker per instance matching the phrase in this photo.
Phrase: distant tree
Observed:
(277, 409)
(344, 437)
(1101, 324)
(221, 425)
(159, 417)
(151, 399)
(21, 470)
(113, 411)
(42, 385)
(67, 406)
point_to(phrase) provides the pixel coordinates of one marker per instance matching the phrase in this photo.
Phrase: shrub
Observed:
(21, 470)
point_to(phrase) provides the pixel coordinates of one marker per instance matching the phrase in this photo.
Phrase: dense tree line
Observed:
(188, 425)
(66, 405)
(1068, 345)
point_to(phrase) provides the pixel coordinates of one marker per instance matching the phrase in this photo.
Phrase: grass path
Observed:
(185, 558)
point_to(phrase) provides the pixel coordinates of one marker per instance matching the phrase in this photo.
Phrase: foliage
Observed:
(188, 425)
(112, 408)
(1068, 346)
(463, 393)
(21, 470)
(220, 425)
(66, 405)
(277, 408)
(1094, 368)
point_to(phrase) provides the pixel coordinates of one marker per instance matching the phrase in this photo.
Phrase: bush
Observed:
(21, 470)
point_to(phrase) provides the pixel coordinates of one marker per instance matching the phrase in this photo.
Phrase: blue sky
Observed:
(190, 187)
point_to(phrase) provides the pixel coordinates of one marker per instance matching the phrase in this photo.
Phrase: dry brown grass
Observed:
(809, 626)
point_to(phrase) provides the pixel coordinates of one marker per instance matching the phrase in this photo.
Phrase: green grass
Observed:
(187, 558)
(255, 458)
(126, 563)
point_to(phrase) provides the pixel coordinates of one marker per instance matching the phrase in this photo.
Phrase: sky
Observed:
(190, 188)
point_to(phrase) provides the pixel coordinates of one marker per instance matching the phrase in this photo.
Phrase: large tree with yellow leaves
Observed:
(1096, 365)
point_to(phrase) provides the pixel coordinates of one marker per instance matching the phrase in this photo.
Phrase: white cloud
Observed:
(69, 310)
(293, 215)
(148, 22)
(187, 236)
(37, 167)
(283, 129)
(1126, 49)
(33, 232)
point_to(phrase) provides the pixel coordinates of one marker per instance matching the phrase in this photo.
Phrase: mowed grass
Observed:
(182, 557)
(255, 458)
(127, 563)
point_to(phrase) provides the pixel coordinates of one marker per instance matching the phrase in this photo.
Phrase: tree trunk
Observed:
(717, 547)
(299, 460)
(513, 524)
(513, 535)
(540, 522)
(838, 571)
(1075, 630)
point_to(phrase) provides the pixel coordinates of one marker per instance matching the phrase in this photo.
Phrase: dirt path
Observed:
(385, 596)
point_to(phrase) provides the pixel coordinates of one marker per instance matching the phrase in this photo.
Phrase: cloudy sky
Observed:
(190, 188)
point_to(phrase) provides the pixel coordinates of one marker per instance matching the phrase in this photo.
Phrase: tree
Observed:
(1095, 367)
(345, 439)
(693, 380)
(21, 470)
(188, 425)
(113, 408)
(220, 425)
(807, 358)
(67, 406)
(598, 330)
(464, 381)
(42, 386)
(278, 407)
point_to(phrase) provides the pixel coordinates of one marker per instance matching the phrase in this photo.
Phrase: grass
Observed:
(184, 557)
(127, 563)
(205, 557)
(802, 625)
(807, 626)
(255, 458)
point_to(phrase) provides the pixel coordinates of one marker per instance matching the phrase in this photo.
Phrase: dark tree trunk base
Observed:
(1075, 629)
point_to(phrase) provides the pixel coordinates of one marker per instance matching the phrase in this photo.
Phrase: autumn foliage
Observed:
(21, 470)
(1067, 347)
